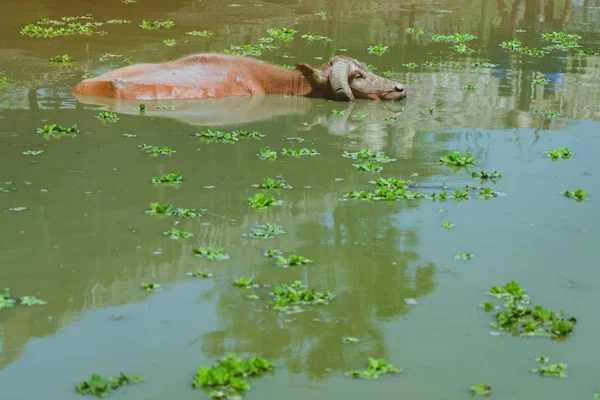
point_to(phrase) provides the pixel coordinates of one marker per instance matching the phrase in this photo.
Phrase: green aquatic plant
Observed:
(410, 65)
(486, 193)
(349, 339)
(272, 253)
(488, 306)
(228, 137)
(389, 189)
(338, 112)
(391, 118)
(297, 294)
(100, 387)
(291, 260)
(3, 80)
(170, 42)
(204, 34)
(267, 154)
(167, 209)
(200, 273)
(511, 45)
(388, 74)
(63, 59)
(360, 116)
(482, 389)
(151, 286)
(369, 166)
(165, 107)
(375, 368)
(392, 183)
(464, 256)
(142, 108)
(228, 377)
(546, 113)
(483, 65)
(414, 31)
(540, 80)
(107, 116)
(174, 233)
(299, 152)
(456, 158)
(283, 34)
(261, 201)
(430, 64)
(244, 282)
(267, 231)
(171, 178)
(155, 151)
(249, 50)
(211, 253)
(469, 87)
(578, 194)
(118, 21)
(454, 38)
(558, 370)
(460, 195)
(561, 152)
(447, 225)
(55, 128)
(485, 175)
(310, 37)
(33, 152)
(462, 48)
(5, 300)
(378, 49)
(152, 25)
(366, 154)
(270, 183)
(32, 301)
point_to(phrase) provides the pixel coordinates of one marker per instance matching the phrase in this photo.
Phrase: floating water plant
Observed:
(469, 87)
(151, 25)
(204, 34)
(267, 231)
(5, 300)
(462, 48)
(228, 377)
(578, 194)
(118, 21)
(483, 65)
(167, 209)
(447, 225)
(297, 293)
(561, 152)
(100, 387)
(375, 368)
(267, 154)
(369, 166)
(360, 116)
(151, 286)
(454, 38)
(155, 151)
(511, 45)
(522, 320)
(540, 80)
(463, 256)
(558, 370)
(107, 116)
(177, 234)
(391, 118)
(486, 193)
(349, 339)
(270, 183)
(482, 389)
(488, 306)
(211, 253)
(165, 107)
(389, 189)
(299, 152)
(3, 80)
(378, 49)
(291, 260)
(456, 158)
(170, 42)
(32, 301)
(484, 175)
(63, 59)
(272, 253)
(410, 65)
(283, 34)
(227, 137)
(414, 31)
(55, 128)
(244, 282)
(171, 178)
(310, 37)
(545, 113)
(262, 200)
(249, 50)
(200, 273)
(338, 112)
(366, 154)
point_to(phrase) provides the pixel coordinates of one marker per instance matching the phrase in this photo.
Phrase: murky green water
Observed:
(85, 245)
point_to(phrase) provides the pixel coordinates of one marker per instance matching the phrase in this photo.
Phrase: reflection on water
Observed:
(84, 243)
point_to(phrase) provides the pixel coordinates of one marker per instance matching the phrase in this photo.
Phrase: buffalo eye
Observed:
(359, 76)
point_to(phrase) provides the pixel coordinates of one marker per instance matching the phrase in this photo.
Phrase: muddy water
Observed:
(84, 244)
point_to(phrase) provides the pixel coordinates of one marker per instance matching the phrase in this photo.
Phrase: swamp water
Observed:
(84, 243)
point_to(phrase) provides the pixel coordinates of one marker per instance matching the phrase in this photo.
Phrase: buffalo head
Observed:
(344, 78)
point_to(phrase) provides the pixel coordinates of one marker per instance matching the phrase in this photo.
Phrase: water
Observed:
(85, 245)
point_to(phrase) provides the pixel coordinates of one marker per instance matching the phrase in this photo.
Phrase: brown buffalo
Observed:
(204, 76)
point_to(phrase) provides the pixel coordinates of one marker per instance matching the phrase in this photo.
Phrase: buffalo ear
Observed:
(315, 77)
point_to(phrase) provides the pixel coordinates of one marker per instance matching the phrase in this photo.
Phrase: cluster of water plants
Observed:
(155, 151)
(273, 183)
(6, 301)
(169, 210)
(171, 178)
(375, 368)
(297, 293)
(211, 253)
(296, 152)
(152, 25)
(227, 137)
(366, 154)
(227, 379)
(100, 387)
(521, 320)
(266, 231)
